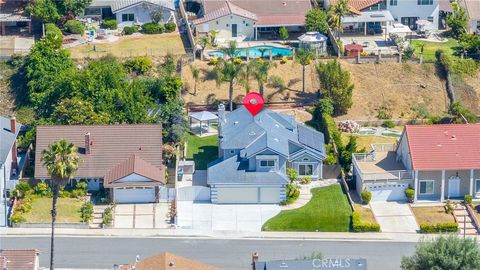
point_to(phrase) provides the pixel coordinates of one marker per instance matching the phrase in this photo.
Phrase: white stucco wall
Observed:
(473, 26)
(410, 8)
(142, 15)
(225, 32)
(404, 152)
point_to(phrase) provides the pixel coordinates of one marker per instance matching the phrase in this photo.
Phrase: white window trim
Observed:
(476, 186)
(426, 193)
(267, 160)
(306, 163)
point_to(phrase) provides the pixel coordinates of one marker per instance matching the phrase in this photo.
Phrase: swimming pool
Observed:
(257, 52)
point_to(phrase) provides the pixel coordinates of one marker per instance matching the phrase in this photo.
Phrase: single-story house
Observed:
(250, 20)
(472, 7)
(255, 152)
(166, 261)
(20, 259)
(9, 161)
(439, 161)
(125, 159)
(129, 12)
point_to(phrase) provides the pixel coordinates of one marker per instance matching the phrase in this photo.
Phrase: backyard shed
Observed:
(353, 49)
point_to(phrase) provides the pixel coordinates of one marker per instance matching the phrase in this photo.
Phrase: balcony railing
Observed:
(402, 175)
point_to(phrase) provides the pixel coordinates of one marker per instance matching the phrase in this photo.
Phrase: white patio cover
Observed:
(312, 37)
(203, 116)
(370, 16)
(399, 28)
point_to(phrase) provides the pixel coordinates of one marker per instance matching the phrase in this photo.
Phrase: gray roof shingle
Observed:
(7, 138)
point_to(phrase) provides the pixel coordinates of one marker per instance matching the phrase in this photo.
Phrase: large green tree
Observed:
(61, 161)
(336, 84)
(336, 13)
(444, 252)
(304, 58)
(227, 72)
(75, 111)
(44, 10)
(316, 20)
(457, 20)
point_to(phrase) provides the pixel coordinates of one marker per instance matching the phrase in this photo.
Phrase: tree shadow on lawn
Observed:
(205, 155)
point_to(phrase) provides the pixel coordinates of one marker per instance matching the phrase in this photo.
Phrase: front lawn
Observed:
(432, 215)
(152, 45)
(327, 211)
(366, 214)
(449, 47)
(365, 141)
(202, 150)
(68, 210)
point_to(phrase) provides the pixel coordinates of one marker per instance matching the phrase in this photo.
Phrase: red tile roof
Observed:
(19, 259)
(166, 261)
(226, 9)
(356, 6)
(283, 20)
(449, 147)
(110, 146)
(134, 165)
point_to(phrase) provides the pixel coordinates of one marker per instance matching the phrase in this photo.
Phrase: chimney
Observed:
(221, 121)
(254, 260)
(87, 143)
(13, 129)
(221, 113)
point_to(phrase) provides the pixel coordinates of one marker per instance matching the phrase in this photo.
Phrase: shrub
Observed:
(448, 207)
(110, 24)
(153, 28)
(17, 218)
(277, 82)
(366, 196)
(20, 190)
(331, 159)
(410, 194)
(64, 193)
(170, 27)
(388, 124)
(237, 60)
(82, 185)
(77, 193)
(408, 53)
(139, 65)
(74, 27)
(292, 174)
(283, 60)
(42, 190)
(86, 212)
(359, 226)
(213, 61)
(128, 30)
(24, 207)
(293, 191)
(325, 105)
(306, 180)
(439, 227)
(108, 216)
(53, 35)
(468, 199)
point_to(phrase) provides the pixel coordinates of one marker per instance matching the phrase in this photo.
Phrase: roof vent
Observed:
(236, 122)
(275, 139)
(277, 125)
(251, 133)
(453, 137)
(171, 264)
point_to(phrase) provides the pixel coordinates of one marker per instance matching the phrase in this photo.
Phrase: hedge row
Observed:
(359, 226)
(330, 130)
(439, 227)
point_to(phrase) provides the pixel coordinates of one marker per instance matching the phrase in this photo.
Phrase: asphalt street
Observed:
(104, 252)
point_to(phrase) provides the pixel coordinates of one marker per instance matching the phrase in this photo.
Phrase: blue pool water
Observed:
(256, 52)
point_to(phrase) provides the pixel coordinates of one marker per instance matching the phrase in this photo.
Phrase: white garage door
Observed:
(270, 195)
(134, 195)
(388, 192)
(238, 195)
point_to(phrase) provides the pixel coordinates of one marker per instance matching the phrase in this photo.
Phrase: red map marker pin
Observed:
(253, 101)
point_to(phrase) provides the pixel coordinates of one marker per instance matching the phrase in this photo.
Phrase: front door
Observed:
(410, 22)
(454, 187)
(234, 30)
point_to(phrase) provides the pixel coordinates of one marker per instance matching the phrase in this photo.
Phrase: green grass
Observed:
(327, 211)
(68, 210)
(202, 150)
(449, 47)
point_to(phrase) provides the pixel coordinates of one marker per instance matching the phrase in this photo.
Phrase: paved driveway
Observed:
(224, 217)
(394, 216)
(145, 215)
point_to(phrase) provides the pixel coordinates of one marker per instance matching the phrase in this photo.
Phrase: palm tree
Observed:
(262, 52)
(245, 74)
(61, 160)
(227, 71)
(336, 13)
(304, 58)
(213, 37)
(231, 51)
(203, 42)
(196, 76)
(260, 72)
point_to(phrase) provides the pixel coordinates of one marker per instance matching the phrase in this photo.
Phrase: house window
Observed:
(92, 11)
(477, 185)
(227, 25)
(305, 169)
(267, 163)
(424, 2)
(217, 22)
(232, 151)
(426, 187)
(246, 24)
(393, 2)
(430, 19)
(128, 17)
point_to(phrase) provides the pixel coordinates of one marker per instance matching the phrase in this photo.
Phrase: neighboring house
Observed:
(439, 161)
(9, 164)
(129, 12)
(11, 259)
(310, 264)
(13, 17)
(472, 8)
(250, 20)
(166, 261)
(377, 16)
(255, 152)
(126, 159)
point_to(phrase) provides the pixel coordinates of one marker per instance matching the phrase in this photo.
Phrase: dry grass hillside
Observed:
(468, 91)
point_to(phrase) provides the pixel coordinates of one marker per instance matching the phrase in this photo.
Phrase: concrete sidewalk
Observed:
(185, 233)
